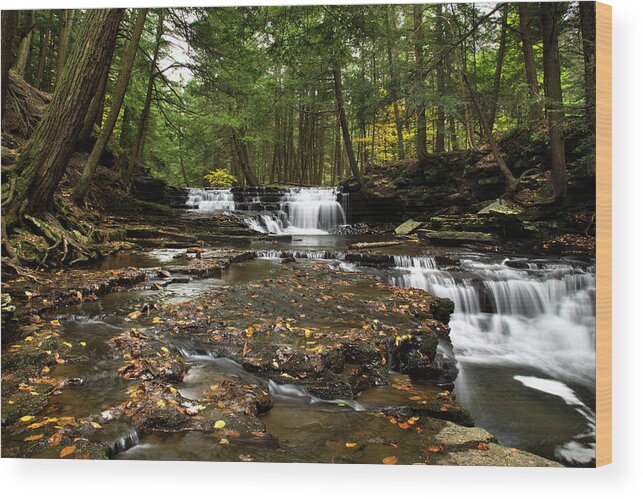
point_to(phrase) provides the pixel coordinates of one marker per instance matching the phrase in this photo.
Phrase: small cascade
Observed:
(542, 316)
(296, 393)
(273, 210)
(210, 200)
(309, 255)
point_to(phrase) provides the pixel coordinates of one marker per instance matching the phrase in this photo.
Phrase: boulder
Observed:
(408, 227)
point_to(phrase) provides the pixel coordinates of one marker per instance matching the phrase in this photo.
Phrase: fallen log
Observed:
(378, 244)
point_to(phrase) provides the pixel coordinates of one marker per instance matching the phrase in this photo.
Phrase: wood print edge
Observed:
(603, 234)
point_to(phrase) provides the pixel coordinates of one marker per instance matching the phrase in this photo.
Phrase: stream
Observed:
(523, 336)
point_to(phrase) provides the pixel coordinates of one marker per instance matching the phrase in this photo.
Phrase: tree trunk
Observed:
(395, 85)
(497, 78)
(241, 149)
(588, 31)
(24, 48)
(45, 32)
(127, 62)
(95, 105)
(343, 119)
(67, 19)
(530, 62)
(512, 183)
(43, 161)
(420, 133)
(441, 88)
(554, 95)
(136, 154)
(10, 21)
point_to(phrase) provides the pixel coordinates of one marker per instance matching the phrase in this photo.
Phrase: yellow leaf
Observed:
(29, 338)
(214, 387)
(219, 424)
(307, 333)
(34, 437)
(55, 323)
(350, 445)
(160, 403)
(173, 390)
(83, 344)
(134, 315)
(66, 451)
(390, 460)
(66, 343)
(165, 349)
(95, 425)
(26, 419)
(157, 320)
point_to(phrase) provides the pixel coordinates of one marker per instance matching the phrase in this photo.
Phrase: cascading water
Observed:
(538, 319)
(314, 210)
(209, 200)
(302, 210)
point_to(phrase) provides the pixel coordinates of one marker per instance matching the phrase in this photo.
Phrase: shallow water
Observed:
(529, 395)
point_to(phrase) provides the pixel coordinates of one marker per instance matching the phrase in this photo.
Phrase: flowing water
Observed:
(523, 333)
(524, 336)
(301, 210)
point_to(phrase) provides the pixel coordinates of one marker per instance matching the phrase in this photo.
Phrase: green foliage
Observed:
(220, 178)
(259, 80)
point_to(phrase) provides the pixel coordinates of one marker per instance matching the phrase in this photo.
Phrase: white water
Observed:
(314, 210)
(297, 393)
(302, 210)
(541, 318)
(210, 200)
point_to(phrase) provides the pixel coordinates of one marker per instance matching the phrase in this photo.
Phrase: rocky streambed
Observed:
(218, 355)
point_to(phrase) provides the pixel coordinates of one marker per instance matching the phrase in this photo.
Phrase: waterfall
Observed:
(539, 315)
(314, 210)
(301, 210)
(208, 200)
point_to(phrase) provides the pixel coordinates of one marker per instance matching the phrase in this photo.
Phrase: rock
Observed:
(164, 274)
(501, 208)
(458, 237)
(408, 227)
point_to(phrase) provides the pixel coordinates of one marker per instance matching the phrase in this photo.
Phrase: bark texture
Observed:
(43, 161)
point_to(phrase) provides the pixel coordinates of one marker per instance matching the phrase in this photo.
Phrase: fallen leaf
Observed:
(219, 424)
(482, 446)
(66, 451)
(26, 419)
(390, 460)
(350, 445)
(34, 437)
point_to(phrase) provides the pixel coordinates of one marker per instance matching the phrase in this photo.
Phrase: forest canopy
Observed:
(313, 95)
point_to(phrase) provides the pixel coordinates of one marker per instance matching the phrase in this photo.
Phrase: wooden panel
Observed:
(603, 234)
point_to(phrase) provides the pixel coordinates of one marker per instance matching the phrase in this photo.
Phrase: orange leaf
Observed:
(390, 460)
(66, 451)
(404, 426)
(483, 446)
(34, 437)
(350, 445)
